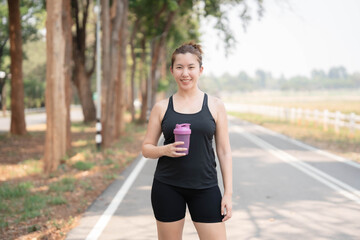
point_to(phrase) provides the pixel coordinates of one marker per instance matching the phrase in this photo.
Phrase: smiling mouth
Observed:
(185, 80)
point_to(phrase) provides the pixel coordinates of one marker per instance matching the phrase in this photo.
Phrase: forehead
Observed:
(185, 58)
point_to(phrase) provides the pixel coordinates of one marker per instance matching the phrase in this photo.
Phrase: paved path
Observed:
(283, 189)
(35, 119)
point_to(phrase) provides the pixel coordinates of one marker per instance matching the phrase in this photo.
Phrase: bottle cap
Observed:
(183, 128)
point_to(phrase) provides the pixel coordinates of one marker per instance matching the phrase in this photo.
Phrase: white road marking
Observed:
(110, 210)
(340, 187)
(313, 149)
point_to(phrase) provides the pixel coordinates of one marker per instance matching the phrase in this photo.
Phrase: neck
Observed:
(189, 93)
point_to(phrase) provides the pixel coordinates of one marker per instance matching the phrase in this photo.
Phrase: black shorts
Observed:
(169, 203)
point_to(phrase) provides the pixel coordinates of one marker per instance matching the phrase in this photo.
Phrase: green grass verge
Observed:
(344, 141)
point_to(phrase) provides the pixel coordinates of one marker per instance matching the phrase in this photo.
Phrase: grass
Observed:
(343, 101)
(86, 185)
(33, 206)
(37, 205)
(20, 190)
(64, 185)
(83, 166)
(344, 142)
(57, 200)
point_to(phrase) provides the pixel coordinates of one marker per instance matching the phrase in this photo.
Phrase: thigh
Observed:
(205, 205)
(168, 204)
(170, 230)
(211, 231)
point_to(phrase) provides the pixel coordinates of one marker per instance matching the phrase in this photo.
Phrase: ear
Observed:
(171, 69)
(201, 69)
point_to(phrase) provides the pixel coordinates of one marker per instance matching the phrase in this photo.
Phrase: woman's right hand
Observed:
(171, 150)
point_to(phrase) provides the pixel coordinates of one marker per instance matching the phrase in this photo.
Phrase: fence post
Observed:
(337, 121)
(307, 116)
(316, 117)
(287, 114)
(299, 116)
(292, 115)
(326, 120)
(352, 123)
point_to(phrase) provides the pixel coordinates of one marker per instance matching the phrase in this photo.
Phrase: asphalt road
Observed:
(38, 119)
(283, 189)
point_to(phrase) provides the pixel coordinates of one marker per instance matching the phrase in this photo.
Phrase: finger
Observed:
(222, 209)
(181, 149)
(178, 143)
(227, 216)
(179, 154)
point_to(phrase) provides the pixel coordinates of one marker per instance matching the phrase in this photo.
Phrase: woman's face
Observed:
(186, 70)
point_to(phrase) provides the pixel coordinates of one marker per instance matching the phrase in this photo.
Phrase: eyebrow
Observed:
(182, 65)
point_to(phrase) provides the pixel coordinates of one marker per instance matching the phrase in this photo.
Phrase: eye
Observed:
(178, 67)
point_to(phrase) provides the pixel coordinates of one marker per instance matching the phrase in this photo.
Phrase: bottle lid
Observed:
(183, 128)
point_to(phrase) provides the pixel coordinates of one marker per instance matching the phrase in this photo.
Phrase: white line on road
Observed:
(303, 145)
(338, 186)
(110, 210)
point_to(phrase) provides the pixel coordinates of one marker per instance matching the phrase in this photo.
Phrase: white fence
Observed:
(324, 118)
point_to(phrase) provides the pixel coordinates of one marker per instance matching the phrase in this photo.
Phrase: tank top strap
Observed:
(205, 102)
(170, 104)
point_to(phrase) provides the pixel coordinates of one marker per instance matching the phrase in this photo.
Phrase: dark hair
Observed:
(189, 47)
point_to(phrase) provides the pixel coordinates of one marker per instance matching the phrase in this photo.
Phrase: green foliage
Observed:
(33, 206)
(22, 189)
(65, 185)
(57, 200)
(153, 16)
(83, 166)
(319, 80)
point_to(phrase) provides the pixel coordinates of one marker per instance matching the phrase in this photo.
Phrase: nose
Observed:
(185, 72)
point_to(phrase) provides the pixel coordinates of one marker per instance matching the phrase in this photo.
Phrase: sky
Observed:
(292, 38)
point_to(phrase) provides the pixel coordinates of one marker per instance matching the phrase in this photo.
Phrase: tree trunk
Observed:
(106, 61)
(68, 66)
(156, 49)
(143, 83)
(83, 85)
(112, 21)
(58, 73)
(18, 125)
(3, 98)
(123, 41)
(133, 68)
(81, 76)
(163, 67)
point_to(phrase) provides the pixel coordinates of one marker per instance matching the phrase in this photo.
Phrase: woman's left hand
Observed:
(226, 207)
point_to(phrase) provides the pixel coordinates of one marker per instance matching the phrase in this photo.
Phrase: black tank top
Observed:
(197, 170)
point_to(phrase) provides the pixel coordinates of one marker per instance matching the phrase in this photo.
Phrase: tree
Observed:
(18, 125)
(337, 73)
(113, 50)
(158, 42)
(31, 14)
(81, 75)
(58, 75)
(159, 18)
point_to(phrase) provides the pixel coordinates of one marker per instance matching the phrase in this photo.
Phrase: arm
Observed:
(150, 149)
(223, 150)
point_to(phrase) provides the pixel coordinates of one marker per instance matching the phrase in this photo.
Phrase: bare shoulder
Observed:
(216, 103)
(216, 106)
(160, 108)
(162, 104)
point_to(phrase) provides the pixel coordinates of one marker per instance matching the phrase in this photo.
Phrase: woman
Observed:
(190, 179)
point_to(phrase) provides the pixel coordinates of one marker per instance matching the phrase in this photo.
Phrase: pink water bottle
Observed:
(182, 134)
